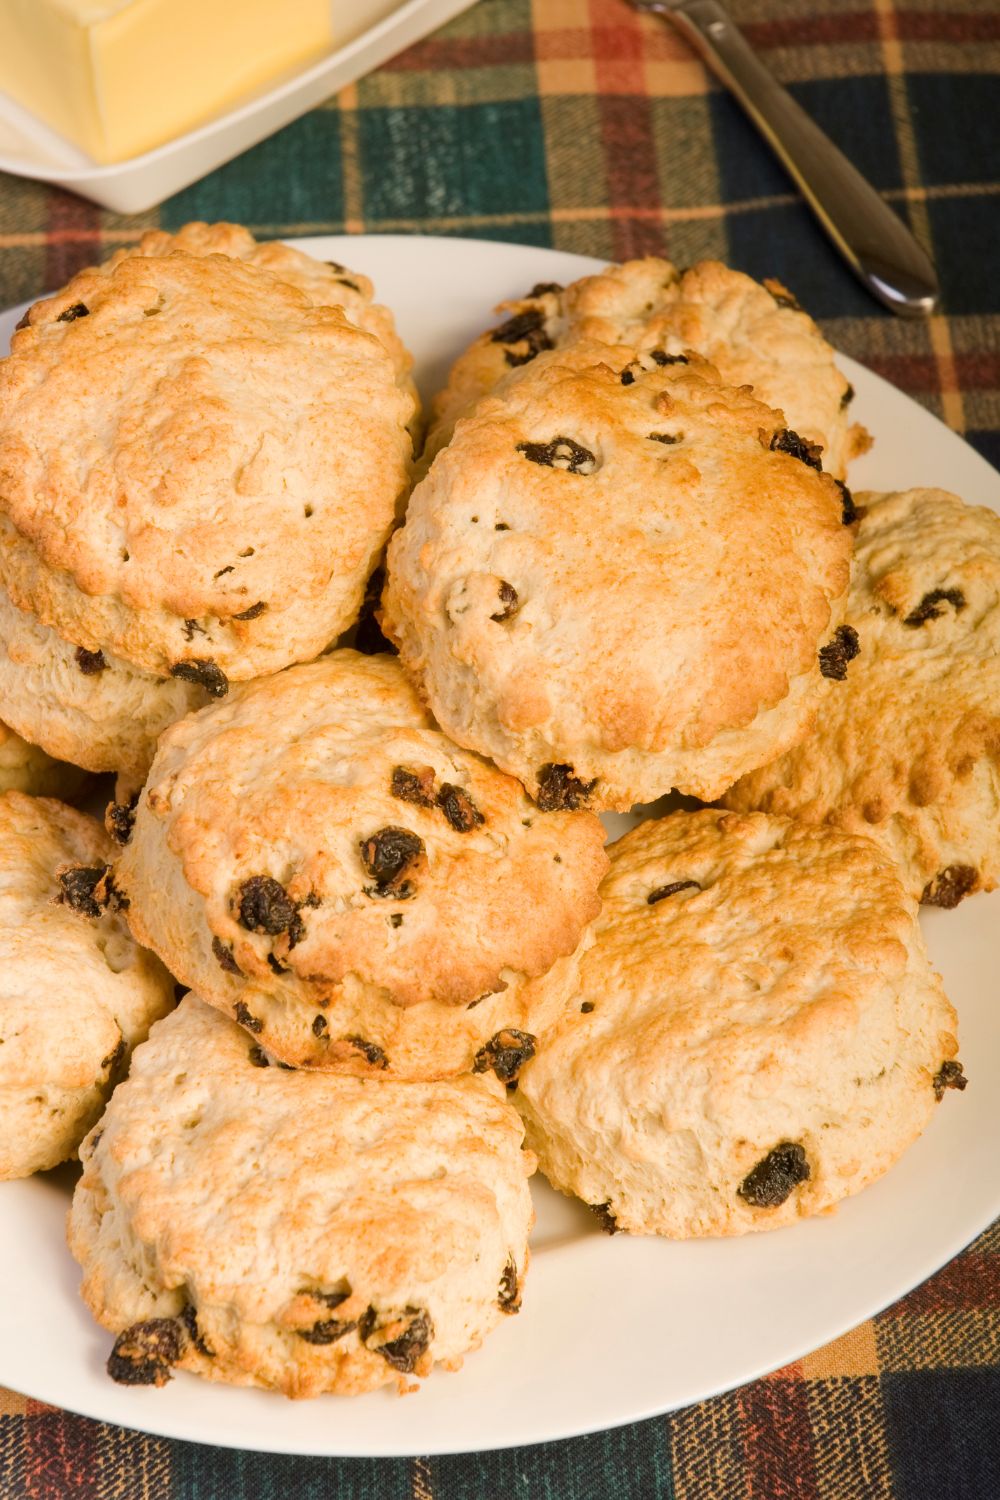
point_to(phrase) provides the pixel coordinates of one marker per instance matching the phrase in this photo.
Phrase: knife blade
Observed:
(874, 241)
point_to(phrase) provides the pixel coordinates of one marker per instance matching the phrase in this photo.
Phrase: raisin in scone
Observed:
(295, 1231)
(622, 576)
(756, 1034)
(76, 993)
(26, 768)
(317, 860)
(910, 750)
(88, 707)
(325, 283)
(199, 469)
(754, 335)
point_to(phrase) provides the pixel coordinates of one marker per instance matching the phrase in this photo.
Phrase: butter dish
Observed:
(31, 148)
(119, 77)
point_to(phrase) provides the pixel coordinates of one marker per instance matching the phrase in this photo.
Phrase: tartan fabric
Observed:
(577, 124)
(905, 1407)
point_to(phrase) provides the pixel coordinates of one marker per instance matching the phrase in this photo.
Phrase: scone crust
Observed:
(159, 502)
(910, 750)
(76, 993)
(246, 1202)
(754, 334)
(283, 797)
(784, 1001)
(91, 709)
(324, 282)
(670, 596)
(27, 768)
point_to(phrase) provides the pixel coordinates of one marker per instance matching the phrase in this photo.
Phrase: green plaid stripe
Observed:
(576, 124)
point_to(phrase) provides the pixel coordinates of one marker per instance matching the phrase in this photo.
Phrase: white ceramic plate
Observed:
(28, 148)
(612, 1329)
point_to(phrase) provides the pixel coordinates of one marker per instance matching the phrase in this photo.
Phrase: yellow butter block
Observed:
(118, 77)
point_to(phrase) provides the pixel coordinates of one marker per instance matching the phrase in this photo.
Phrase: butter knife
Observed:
(875, 243)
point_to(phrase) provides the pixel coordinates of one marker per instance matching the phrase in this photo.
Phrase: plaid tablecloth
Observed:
(575, 124)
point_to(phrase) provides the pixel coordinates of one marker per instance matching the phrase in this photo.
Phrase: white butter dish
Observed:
(28, 148)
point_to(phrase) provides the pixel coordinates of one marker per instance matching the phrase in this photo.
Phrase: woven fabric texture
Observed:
(579, 125)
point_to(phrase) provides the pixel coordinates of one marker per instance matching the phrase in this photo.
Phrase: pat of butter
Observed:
(118, 77)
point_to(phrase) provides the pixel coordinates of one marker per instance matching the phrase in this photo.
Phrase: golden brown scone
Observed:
(76, 993)
(324, 282)
(198, 467)
(26, 768)
(87, 707)
(622, 576)
(909, 750)
(753, 334)
(316, 859)
(756, 1033)
(300, 1232)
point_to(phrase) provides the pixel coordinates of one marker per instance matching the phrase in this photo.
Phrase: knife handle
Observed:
(873, 240)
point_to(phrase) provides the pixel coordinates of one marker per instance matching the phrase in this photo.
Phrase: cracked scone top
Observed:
(910, 750)
(756, 1032)
(315, 858)
(325, 283)
(76, 993)
(198, 467)
(753, 334)
(300, 1232)
(618, 578)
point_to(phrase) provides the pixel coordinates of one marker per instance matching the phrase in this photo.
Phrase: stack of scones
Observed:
(363, 728)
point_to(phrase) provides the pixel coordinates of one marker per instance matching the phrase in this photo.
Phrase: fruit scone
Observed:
(754, 334)
(756, 1032)
(297, 1231)
(26, 768)
(76, 993)
(622, 576)
(325, 282)
(910, 750)
(316, 859)
(199, 468)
